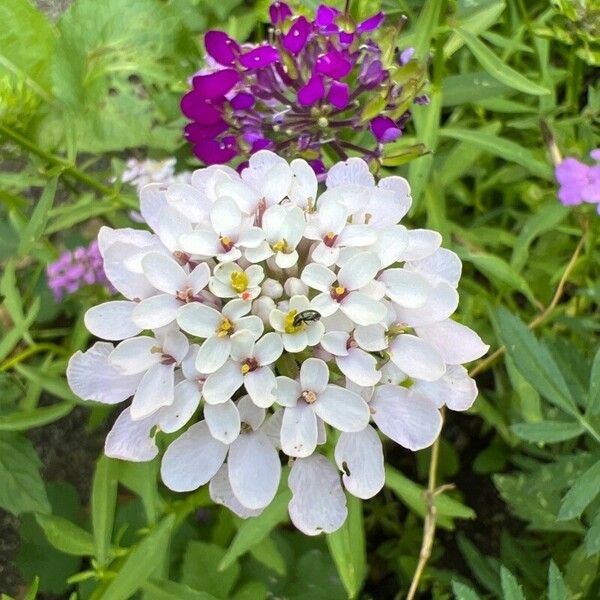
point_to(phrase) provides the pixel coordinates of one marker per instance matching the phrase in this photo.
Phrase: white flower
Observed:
(296, 333)
(231, 281)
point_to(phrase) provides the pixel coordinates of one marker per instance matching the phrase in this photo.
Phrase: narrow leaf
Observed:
(547, 432)
(104, 498)
(23, 420)
(37, 222)
(65, 535)
(581, 494)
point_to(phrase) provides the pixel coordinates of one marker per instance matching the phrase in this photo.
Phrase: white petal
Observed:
(236, 309)
(318, 277)
(336, 343)
(357, 235)
(417, 358)
(118, 270)
(455, 389)
(261, 386)
(92, 377)
(371, 337)
(324, 304)
(360, 456)
(203, 242)
(318, 502)
(442, 302)
(442, 265)
(359, 270)
(164, 273)
(294, 342)
(223, 383)
(258, 253)
(314, 375)
(406, 289)
(135, 355)
(270, 174)
(189, 201)
(353, 171)
(112, 320)
(391, 243)
(409, 419)
(325, 255)
(268, 349)
(254, 469)
(242, 345)
(288, 391)
(362, 309)
(197, 280)
(192, 459)
(213, 353)
(456, 343)
(199, 319)
(251, 237)
(272, 427)
(400, 190)
(360, 367)
(174, 343)
(250, 414)
(299, 430)
(156, 311)
(226, 217)
(332, 217)
(342, 409)
(221, 493)
(303, 190)
(286, 260)
(186, 398)
(155, 390)
(131, 440)
(223, 421)
(421, 243)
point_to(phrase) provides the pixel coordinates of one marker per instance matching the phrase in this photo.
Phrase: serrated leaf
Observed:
(547, 432)
(65, 535)
(584, 490)
(510, 586)
(21, 487)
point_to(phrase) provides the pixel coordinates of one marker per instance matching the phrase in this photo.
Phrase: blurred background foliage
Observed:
(82, 88)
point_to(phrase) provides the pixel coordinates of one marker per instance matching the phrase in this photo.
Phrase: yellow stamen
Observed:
(224, 328)
(309, 397)
(239, 281)
(225, 240)
(280, 246)
(245, 368)
(330, 235)
(288, 323)
(340, 290)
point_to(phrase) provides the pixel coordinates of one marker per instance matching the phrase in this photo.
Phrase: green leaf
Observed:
(548, 432)
(594, 387)
(56, 386)
(252, 531)
(38, 219)
(65, 535)
(155, 589)
(21, 487)
(497, 68)
(511, 589)
(14, 336)
(104, 499)
(144, 560)
(468, 88)
(498, 146)
(480, 565)
(267, 553)
(592, 536)
(140, 478)
(424, 27)
(23, 420)
(347, 546)
(557, 590)
(584, 490)
(463, 592)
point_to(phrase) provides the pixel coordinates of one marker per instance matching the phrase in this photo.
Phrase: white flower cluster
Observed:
(297, 320)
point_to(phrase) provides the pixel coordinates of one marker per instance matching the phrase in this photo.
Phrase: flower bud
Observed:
(272, 289)
(295, 287)
(262, 307)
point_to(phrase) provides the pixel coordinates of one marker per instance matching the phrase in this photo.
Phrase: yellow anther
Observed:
(224, 328)
(225, 240)
(339, 290)
(288, 323)
(280, 246)
(309, 397)
(245, 368)
(330, 235)
(239, 281)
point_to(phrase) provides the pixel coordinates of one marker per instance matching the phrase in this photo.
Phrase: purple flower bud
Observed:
(242, 101)
(371, 23)
(325, 17)
(372, 73)
(221, 47)
(338, 94)
(295, 39)
(406, 55)
(385, 129)
(334, 64)
(279, 12)
(215, 85)
(312, 92)
(260, 57)
(215, 152)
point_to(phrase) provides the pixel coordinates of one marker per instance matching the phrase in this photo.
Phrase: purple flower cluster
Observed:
(579, 182)
(76, 269)
(316, 84)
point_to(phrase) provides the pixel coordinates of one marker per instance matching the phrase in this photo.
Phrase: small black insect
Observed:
(306, 316)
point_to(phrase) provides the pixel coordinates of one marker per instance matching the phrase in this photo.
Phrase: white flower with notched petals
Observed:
(231, 281)
(342, 291)
(297, 325)
(217, 327)
(248, 365)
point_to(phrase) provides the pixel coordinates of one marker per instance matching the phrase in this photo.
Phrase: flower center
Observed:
(188, 296)
(226, 242)
(330, 239)
(280, 246)
(239, 281)
(338, 293)
(288, 323)
(248, 365)
(309, 397)
(224, 328)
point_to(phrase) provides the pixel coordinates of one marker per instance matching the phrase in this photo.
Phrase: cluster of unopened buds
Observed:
(270, 319)
(321, 84)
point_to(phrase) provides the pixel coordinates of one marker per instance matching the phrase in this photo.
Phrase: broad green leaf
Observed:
(157, 589)
(594, 387)
(463, 592)
(252, 531)
(38, 219)
(104, 499)
(467, 88)
(498, 146)
(347, 546)
(592, 536)
(481, 566)
(548, 432)
(557, 590)
(497, 68)
(511, 589)
(21, 487)
(65, 535)
(23, 420)
(267, 553)
(141, 563)
(584, 490)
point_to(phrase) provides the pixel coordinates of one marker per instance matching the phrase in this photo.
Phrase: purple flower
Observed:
(578, 181)
(76, 269)
(317, 83)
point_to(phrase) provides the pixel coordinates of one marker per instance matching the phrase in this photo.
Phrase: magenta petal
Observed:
(221, 47)
(385, 129)
(338, 94)
(279, 12)
(334, 64)
(262, 144)
(326, 15)
(214, 152)
(312, 92)
(215, 85)
(371, 23)
(295, 39)
(194, 132)
(242, 101)
(346, 38)
(197, 109)
(260, 57)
